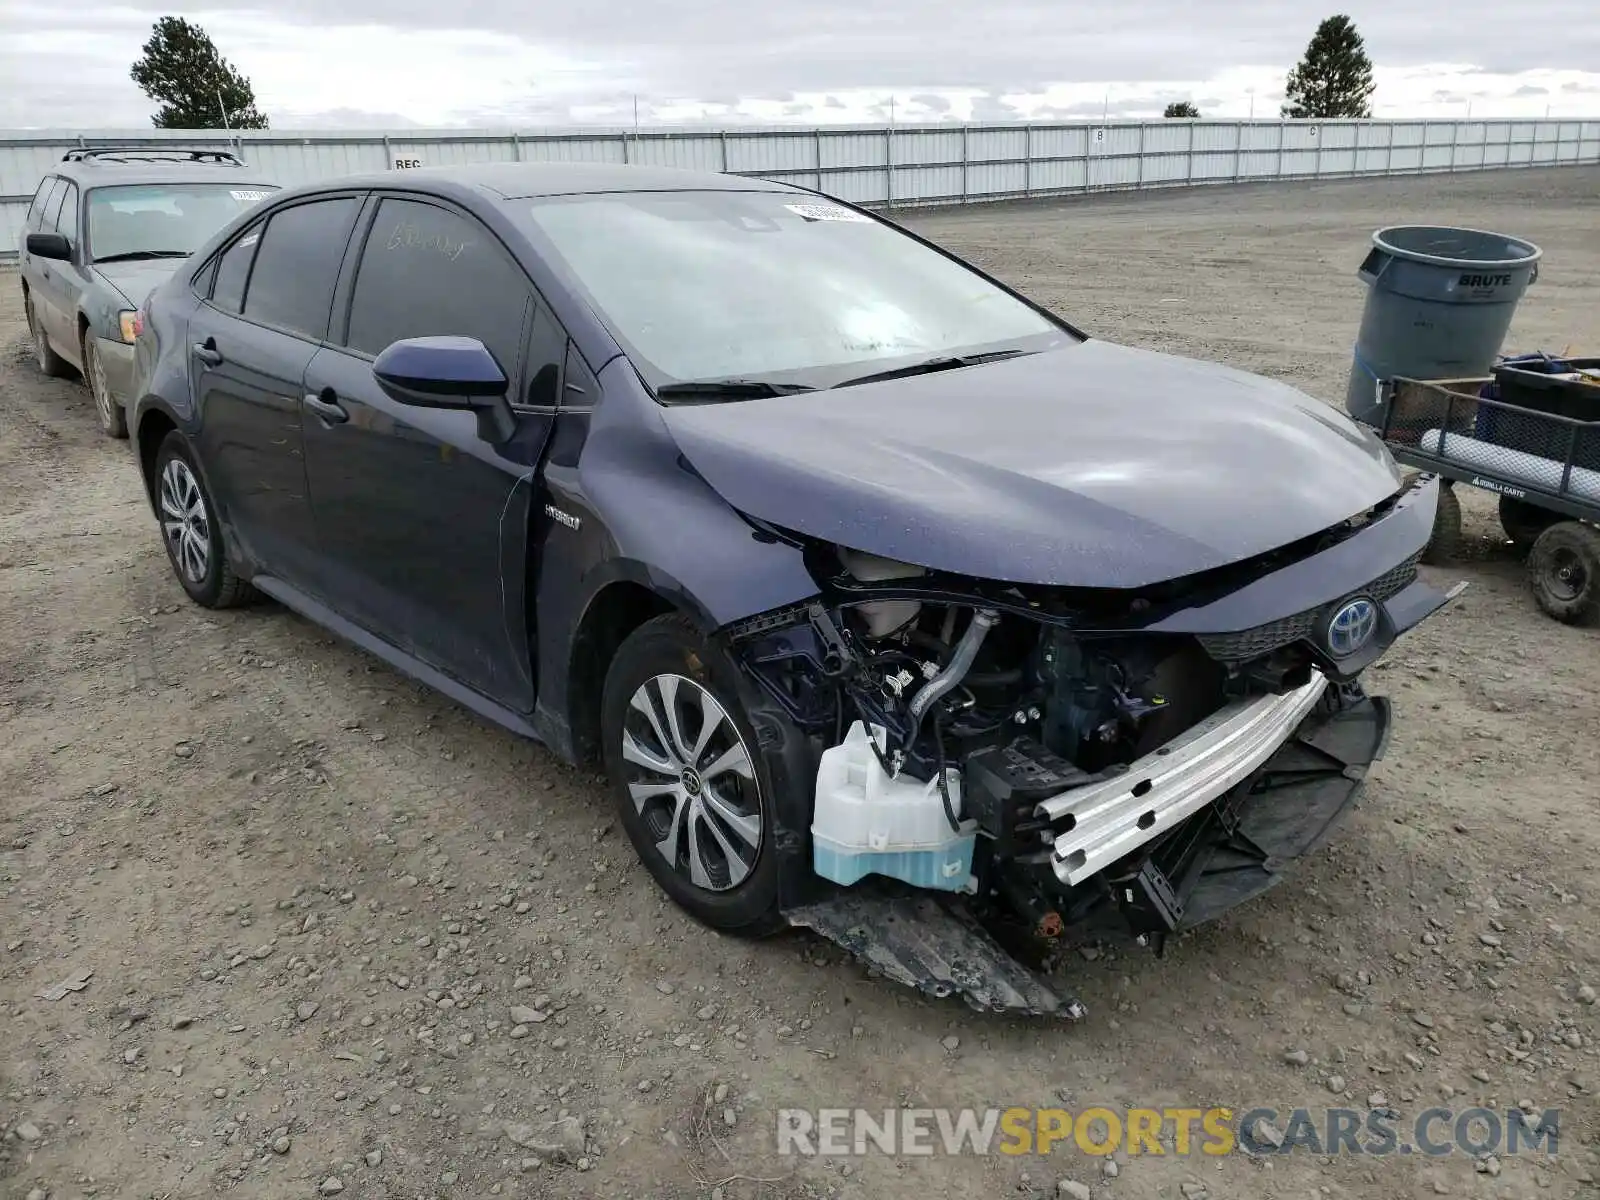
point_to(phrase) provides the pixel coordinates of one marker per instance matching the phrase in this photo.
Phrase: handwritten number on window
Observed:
(407, 236)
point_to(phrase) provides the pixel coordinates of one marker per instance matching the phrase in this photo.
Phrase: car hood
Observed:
(1097, 465)
(137, 279)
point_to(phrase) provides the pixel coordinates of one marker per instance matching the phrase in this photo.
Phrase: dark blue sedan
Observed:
(892, 604)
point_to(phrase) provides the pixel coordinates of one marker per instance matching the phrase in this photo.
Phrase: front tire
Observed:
(113, 418)
(1444, 545)
(693, 786)
(190, 531)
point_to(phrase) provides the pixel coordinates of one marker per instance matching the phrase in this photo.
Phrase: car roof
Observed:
(515, 181)
(103, 166)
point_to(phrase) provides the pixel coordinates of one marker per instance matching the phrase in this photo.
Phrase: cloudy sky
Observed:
(494, 63)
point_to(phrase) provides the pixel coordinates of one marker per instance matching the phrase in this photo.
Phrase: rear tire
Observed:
(1564, 570)
(694, 786)
(50, 363)
(191, 532)
(113, 417)
(1524, 522)
(1444, 546)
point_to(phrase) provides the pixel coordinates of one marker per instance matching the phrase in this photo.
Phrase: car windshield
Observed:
(772, 286)
(163, 220)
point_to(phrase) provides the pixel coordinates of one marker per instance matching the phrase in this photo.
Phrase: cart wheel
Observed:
(1524, 522)
(1564, 568)
(1445, 544)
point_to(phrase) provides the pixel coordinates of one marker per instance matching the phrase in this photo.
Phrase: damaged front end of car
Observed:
(1000, 765)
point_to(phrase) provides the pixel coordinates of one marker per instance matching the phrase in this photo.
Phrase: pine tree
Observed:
(1335, 77)
(1182, 109)
(196, 87)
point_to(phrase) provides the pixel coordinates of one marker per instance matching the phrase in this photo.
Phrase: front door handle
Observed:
(326, 405)
(208, 353)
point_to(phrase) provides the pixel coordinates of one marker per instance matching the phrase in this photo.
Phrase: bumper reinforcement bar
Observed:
(1108, 820)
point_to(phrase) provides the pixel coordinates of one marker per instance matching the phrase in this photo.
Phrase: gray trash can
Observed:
(1439, 303)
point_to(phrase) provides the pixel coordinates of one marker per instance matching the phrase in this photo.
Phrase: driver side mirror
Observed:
(448, 372)
(50, 245)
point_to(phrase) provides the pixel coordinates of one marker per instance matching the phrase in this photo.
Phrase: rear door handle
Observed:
(208, 353)
(326, 405)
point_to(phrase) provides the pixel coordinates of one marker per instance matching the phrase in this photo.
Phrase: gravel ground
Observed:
(344, 937)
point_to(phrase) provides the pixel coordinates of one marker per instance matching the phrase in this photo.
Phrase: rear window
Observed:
(167, 220)
(41, 198)
(67, 214)
(52, 206)
(233, 268)
(297, 264)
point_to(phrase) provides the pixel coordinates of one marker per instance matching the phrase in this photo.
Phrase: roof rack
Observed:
(159, 153)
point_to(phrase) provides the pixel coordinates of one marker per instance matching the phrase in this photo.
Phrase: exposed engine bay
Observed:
(1044, 767)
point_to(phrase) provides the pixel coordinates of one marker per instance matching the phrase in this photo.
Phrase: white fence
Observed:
(893, 167)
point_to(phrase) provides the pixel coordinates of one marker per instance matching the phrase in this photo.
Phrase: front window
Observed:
(165, 220)
(722, 285)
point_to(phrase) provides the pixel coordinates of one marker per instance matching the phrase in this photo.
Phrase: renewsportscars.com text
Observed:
(1179, 1132)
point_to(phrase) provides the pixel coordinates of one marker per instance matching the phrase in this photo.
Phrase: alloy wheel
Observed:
(693, 782)
(184, 521)
(41, 343)
(97, 383)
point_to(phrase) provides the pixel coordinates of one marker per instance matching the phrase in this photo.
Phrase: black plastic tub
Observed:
(1532, 381)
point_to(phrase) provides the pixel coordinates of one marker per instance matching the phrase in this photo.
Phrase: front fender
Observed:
(653, 579)
(621, 506)
(98, 312)
(650, 517)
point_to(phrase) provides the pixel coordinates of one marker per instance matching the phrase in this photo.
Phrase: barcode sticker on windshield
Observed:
(249, 195)
(826, 212)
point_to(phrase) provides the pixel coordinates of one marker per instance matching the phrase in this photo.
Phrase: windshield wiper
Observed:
(944, 362)
(729, 389)
(130, 255)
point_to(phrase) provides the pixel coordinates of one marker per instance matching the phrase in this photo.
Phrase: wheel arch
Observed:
(725, 576)
(154, 425)
(789, 754)
(617, 607)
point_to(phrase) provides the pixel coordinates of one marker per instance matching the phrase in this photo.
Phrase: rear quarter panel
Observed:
(161, 360)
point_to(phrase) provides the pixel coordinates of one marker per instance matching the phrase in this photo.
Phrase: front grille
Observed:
(1253, 643)
(1263, 639)
(1392, 583)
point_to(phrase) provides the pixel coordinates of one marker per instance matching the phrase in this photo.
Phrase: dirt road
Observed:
(310, 892)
